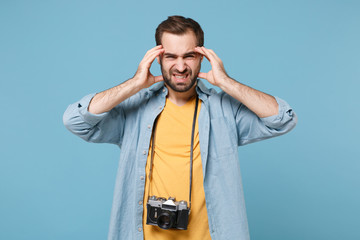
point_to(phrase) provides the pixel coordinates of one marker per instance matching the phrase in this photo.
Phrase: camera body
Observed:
(167, 213)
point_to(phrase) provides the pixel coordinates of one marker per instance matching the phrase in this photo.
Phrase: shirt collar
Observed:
(201, 88)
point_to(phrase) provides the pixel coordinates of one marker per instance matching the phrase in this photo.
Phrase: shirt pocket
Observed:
(221, 142)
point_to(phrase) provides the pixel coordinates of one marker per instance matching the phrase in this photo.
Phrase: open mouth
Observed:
(181, 77)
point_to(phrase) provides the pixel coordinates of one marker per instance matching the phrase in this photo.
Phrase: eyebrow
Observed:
(186, 54)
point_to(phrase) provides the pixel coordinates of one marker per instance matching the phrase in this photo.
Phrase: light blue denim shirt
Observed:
(224, 124)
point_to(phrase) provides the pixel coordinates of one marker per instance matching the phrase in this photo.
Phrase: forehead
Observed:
(178, 44)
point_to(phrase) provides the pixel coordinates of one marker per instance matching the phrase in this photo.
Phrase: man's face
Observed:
(180, 64)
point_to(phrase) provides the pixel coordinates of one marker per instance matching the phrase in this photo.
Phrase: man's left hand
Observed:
(262, 104)
(217, 75)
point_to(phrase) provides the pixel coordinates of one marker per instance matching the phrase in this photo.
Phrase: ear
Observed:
(158, 59)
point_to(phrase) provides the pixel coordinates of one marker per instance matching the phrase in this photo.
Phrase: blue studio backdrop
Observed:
(303, 185)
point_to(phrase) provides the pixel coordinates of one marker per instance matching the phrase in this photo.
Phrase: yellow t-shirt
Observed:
(171, 172)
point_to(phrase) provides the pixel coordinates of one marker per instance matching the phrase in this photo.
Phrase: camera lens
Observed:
(166, 220)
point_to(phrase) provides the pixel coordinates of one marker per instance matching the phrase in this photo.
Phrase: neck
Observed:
(180, 98)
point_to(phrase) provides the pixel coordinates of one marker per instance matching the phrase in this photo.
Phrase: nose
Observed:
(180, 65)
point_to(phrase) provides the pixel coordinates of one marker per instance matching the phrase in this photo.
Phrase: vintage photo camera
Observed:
(167, 213)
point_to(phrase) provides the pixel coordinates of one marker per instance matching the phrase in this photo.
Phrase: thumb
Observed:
(159, 78)
(202, 75)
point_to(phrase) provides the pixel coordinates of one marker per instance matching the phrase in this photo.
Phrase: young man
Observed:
(195, 132)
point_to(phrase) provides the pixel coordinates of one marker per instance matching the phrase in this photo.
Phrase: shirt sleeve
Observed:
(251, 128)
(107, 127)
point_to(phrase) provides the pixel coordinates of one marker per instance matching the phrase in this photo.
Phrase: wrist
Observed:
(136, 84)
(226, 83)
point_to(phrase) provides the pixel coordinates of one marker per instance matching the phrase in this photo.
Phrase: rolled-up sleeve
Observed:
(285, 119)
(251, 128)
(100, 128)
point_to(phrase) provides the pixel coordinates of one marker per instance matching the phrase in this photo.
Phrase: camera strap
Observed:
(191, 149)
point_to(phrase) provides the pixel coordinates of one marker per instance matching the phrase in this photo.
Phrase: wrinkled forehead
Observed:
(178, 44)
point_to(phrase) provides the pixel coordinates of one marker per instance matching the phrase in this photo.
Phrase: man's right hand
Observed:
(143, 76)
(108, 99)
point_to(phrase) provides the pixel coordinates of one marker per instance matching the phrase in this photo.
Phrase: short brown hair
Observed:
(179, 25)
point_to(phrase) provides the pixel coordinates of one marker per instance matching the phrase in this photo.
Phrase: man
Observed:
(189, 157)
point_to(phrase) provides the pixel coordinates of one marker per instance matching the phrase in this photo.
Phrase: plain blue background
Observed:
(303, 185)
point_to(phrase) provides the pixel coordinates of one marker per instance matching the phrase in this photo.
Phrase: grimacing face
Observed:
(180, 64)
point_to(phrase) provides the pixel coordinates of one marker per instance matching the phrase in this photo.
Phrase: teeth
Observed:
(182, 77)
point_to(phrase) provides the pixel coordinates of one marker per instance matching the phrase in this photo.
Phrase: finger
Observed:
(201, 51)
(154, 49)
(151, 51)
(158, 78)
(208, 54)
(202, 75)
(214, 54)
(150, 57)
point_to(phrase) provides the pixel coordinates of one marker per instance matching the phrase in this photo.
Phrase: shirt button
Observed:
(139, 229)
(164, 90)
(148, 126)
(140, 202)
(144, 152)
(142, 178)
(160, 107)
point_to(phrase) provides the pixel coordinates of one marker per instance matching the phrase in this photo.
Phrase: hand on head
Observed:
(217, 74)
(143, 74)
